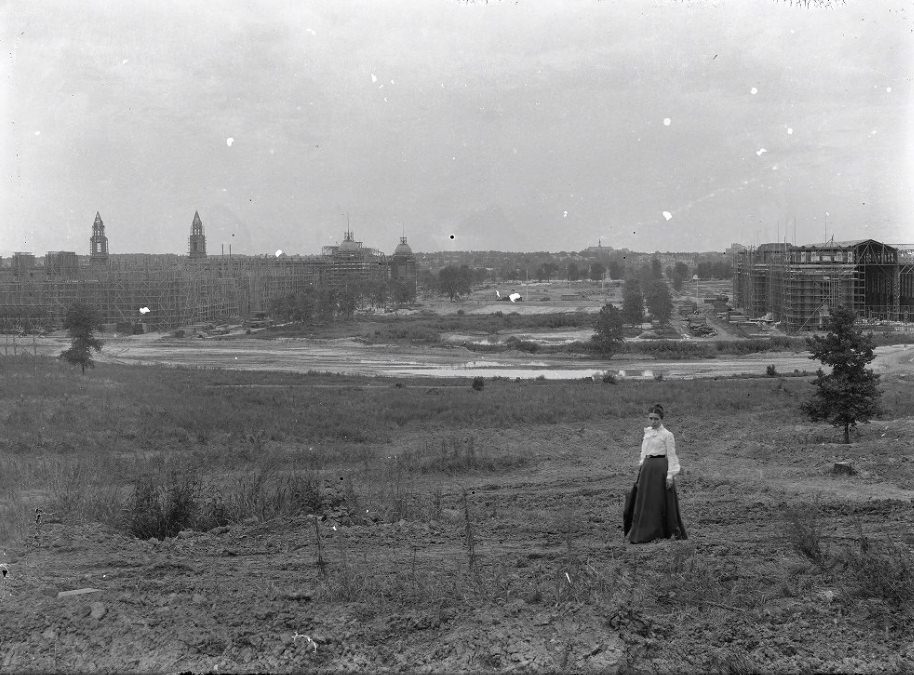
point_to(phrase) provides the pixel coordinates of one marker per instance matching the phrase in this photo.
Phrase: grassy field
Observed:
(415, 518)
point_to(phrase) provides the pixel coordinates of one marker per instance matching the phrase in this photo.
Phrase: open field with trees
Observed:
(274, 521)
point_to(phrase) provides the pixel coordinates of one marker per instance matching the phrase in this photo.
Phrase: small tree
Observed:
(659, 302)
(608, 331)
(616, 268)
(455, 281)
(81, 321)
(597, 270)
(680, 274)
(656, 268)
(632, 301)
(849, 393)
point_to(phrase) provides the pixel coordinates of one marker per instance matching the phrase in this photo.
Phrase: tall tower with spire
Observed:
(196, 245)
(98, 242)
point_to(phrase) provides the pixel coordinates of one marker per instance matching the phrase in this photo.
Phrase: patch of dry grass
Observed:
(513, 491)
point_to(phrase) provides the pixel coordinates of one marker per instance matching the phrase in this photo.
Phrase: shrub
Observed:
(804, 531)
(157, 511)
(771, 371)
(609, 378)
(522, 345)
(884, 571)
(478, 383)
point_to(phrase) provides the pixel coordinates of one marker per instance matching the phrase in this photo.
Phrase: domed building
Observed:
(403, 274)
(354, 266)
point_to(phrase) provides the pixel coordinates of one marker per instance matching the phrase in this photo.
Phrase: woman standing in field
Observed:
(652, 507)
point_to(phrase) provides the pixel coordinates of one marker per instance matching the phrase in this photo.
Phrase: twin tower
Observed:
(98, 242)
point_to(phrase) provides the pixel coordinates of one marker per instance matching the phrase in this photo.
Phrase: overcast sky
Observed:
(527, 125)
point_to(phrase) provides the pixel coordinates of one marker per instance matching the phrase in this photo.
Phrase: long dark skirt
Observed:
(652, 510)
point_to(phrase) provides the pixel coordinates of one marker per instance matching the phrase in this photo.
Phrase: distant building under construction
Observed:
(799, 285)
(196, 288)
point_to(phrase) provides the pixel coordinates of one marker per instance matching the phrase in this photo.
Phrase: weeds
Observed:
(321, 563)
(456, 455)
(159, 510)
(804, 532)
(469, 540)
(161, 506)
(882, 570)
(732, 662)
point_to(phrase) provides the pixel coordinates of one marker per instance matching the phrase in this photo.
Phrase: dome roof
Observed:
(348, 245)
(403, 248)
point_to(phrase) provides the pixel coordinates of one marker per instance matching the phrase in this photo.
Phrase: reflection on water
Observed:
(510, 373)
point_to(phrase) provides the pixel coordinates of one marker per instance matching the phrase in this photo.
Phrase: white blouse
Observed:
(660, 442)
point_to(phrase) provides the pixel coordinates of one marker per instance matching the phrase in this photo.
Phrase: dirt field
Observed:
(479, 531)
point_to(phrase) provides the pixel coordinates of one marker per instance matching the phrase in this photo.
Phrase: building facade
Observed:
(196, 288)
(799, 285)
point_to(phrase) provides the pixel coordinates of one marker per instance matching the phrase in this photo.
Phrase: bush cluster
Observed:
(162, 506)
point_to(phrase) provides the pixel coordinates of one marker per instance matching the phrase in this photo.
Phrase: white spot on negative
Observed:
(667, 121)
(229, 141)
(874, 132)
(888, 90)
(311, 30)
(278, 252)
(145, 310)
(565, 214)
(373, 78)
(667, 215)
(760, 152)
(790, 131)
(753, 91)
(124, 62)
(38, 133)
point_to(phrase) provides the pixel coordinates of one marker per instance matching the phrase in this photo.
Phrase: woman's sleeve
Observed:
(671, 457)
(643, 449)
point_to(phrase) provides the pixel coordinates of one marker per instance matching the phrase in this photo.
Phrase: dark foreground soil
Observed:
(528, 572)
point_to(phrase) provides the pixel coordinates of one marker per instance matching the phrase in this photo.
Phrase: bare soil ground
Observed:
(417, 564)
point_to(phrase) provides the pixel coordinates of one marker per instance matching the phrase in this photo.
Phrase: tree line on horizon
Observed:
(610, 264)
(611, 268)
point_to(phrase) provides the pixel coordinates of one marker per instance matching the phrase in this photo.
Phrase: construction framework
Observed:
(798, 285)
(165, 291)
(170, 291)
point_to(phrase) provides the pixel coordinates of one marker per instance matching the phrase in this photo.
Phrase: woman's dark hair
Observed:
(657, 409)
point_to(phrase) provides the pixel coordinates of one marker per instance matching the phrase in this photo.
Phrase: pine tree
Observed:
(608, 336)
(81, 321)
(849, 393)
